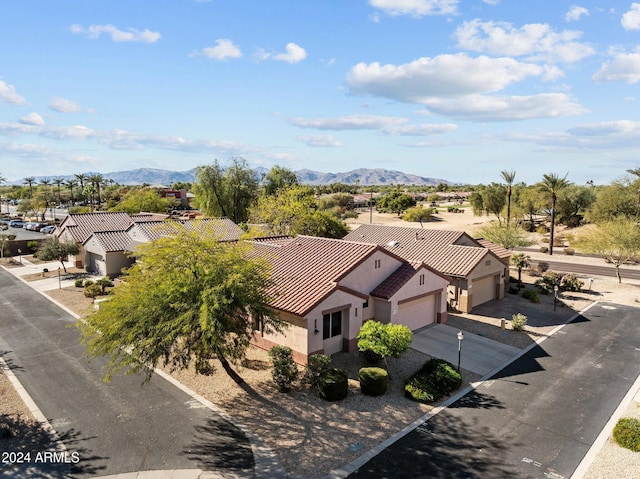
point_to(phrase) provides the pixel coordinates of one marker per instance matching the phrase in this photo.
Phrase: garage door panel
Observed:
(483, 290)
(416, 314)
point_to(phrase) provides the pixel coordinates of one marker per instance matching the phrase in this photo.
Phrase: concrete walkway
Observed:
(478, 354)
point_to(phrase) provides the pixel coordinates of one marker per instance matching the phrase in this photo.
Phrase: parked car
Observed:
(16, 223)
(47, 229)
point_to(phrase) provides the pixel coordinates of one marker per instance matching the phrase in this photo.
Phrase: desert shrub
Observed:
(542, 230)
(435, 379)
(569, 251)
(104, 283)
(92, 290)
(627, 433)
(543, 267)
(570, 282)
(32, 245)
(88, 282)
(544, 240)
(371, 357)
(317, 365)
(333, 385)
(373, 381)
(531, 295)
(285, 370)
(549, 281)
(518, 321)
(558, 241)
(385, 340)
(78, 283)
(528, 226)
(544, 249)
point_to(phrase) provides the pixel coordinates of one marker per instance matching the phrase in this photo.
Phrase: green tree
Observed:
(619, 199)
(572, 204)
(282, 212)
(551, 185)
(616, 241)
(81, 177)
(508, 177)
(96, 180)
(385, 340)
(395, 202)
(494, 198)
(54, 249)
(277, 178)
(144, 199)
(189, 299)
(71, 184)
(418, 213)
(506, 237)
(320, 223)
(520, 261)
(30, 180)
(226, 192)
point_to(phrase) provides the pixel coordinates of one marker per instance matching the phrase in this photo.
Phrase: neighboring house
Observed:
(477, 269)
(326, 289)
(106, 239)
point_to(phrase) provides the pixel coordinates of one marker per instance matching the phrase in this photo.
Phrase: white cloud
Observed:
(420, 130)
(631, 19)
(416, 8)
(8, 94)
(320, 141)
(131, 35)
(624, 67)
(538, 41)
(293, 54)
(32, 119)
(505, 108)
(64, 105)
(352, 122)
(491, 2)
(444, 75)
(575, 12)
(608, 128)
(224, 49)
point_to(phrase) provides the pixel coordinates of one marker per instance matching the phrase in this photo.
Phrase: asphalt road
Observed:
(605, 270)
(117, 427)
(537, 418)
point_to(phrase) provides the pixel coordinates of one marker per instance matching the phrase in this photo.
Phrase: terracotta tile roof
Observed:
(396, 280)
(81, 226)
(114, 241)
(307, 269)
(144, 217)
(221, 228)
(435, 248)
(496, 249)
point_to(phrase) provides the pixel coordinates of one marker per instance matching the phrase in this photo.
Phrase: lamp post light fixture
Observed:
(20, 255)
(59, 280)
(590, 283)
(555, 296)
(460, 338)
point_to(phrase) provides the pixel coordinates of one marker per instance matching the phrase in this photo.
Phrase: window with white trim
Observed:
(331, 325)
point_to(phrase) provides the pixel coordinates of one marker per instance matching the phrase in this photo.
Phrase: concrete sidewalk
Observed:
(478, 354)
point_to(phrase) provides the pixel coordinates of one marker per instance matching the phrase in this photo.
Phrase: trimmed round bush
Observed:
(627, 433)
(333, 385)
(317, 365)
(371, 357)
(373, 381)
(78, 283)
(435, 379)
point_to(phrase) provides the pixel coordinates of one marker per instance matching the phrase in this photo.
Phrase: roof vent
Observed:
(393, 243)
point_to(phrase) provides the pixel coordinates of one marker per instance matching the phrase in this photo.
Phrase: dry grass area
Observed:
(73, 298)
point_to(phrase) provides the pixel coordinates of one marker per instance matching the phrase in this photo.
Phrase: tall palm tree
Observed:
(71, 184)
(96, 180)
(552, 184)
(81, 177)
(58, 182)
(30, 180)
(508, 177)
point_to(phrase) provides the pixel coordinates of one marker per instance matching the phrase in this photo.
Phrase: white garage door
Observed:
(416, 314)
(483, 290)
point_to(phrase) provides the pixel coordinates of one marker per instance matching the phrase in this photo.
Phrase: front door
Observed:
(332, 332)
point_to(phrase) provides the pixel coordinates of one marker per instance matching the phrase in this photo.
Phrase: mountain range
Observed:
(362, 176)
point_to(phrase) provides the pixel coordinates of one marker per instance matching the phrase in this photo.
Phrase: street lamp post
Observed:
(59, 281)
(460, 338)
(555, 296)
(20, 255)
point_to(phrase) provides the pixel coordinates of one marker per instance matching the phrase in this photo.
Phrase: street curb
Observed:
(357, 463)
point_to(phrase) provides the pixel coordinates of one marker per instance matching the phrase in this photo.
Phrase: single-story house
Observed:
(478, 270)
(326, 289)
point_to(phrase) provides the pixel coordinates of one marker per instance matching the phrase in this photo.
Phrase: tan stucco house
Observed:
(477, 268)
(326, 289)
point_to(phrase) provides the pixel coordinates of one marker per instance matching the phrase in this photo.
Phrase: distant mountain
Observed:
(363, 176)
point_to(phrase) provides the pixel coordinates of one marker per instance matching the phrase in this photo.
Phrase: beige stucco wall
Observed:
(351, 322)
(365, 277)
(294, 336)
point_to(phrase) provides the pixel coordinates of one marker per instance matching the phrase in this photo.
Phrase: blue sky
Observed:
(453, 89)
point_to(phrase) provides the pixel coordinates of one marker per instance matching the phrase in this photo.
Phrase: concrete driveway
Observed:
(478, 354)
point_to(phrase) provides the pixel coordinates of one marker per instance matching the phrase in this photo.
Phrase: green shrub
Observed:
(549, 281)
(92, 290)
(104, 283)
(531, 295)
(542, 267)
(544, 240)
(570, 282)
(627, 433)
(78, 283)
(385, 340)
(333, 385)
(518, 321)
(373, 381)
(569, 251)
(285, 370)
(544, 249)
(435, 379)
(528, 226)
(88, 282)
(371, 357)
(543, 230)
(558, 241)
(317, 365)
(32, 245)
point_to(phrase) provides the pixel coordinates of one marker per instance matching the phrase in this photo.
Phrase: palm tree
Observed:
(30, 180)
(81, 177)
(58, 182)
(96, 180)
(520, 261)
(508, 177)
(71, 184)
(552, 184)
